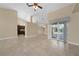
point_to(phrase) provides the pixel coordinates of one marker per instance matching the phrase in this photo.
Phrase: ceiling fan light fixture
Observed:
(35, 7)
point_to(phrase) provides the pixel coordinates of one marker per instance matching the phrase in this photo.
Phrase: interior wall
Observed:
(8, 23)
(73, 28)
(65, 11)
(21, 22)
(31, 30)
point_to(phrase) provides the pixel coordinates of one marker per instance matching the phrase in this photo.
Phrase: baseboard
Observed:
(14, 37)
(73, 43)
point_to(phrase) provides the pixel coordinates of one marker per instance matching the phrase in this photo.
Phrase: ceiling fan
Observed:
(34, 5)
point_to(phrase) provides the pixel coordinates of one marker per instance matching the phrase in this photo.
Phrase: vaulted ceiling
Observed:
(25, 12)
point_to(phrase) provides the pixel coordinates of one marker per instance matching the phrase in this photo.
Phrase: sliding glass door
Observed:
(59, 30)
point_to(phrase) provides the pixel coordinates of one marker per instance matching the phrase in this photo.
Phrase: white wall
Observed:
(73, 28)
(21, 22)
(31, 29)
(8, 23)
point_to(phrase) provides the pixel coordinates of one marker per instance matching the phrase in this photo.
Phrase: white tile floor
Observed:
(36, 46)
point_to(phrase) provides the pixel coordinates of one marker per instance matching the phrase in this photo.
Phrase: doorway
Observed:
(59, 31)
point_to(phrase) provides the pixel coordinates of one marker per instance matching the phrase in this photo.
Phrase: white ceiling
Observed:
(25, 12)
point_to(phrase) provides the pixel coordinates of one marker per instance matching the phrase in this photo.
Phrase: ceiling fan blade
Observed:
(28, 5)
(35, 4)
(40, 7)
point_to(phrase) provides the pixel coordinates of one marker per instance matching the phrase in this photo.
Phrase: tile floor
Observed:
(36, 46)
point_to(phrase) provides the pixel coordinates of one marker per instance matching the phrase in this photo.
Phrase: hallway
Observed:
(36, 46)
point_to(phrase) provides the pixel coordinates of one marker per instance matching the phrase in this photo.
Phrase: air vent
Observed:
(76, 8)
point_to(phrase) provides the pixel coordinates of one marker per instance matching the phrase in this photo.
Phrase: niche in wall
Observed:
(20, 30)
